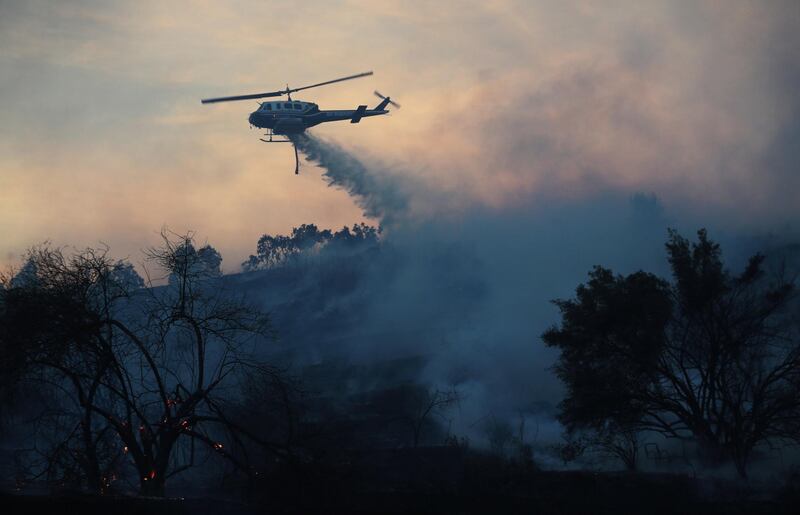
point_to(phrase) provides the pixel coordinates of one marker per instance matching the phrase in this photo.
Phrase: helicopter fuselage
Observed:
(294, 117)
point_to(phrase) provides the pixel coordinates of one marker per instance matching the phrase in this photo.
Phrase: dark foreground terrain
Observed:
(533, 492)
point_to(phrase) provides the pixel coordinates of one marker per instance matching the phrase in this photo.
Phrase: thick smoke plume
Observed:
(561, 179)
(468, 293)
(381, 198)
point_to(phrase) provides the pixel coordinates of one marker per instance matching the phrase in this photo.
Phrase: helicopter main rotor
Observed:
(288, 91)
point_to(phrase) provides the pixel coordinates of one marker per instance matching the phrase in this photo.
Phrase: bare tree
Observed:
(428, 402)
(621, 443)
(152, 366)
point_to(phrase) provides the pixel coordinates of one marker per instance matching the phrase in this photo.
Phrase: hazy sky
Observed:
(103, 137)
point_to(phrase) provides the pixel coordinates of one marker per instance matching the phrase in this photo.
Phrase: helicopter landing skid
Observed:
(287, 140)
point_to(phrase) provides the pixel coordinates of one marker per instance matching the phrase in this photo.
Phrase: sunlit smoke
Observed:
(381, 196)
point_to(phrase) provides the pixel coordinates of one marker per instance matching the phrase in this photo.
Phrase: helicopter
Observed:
(290, 117)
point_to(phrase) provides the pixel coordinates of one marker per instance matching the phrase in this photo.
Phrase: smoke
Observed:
(383, 197)
(468, 289)
(586, 160)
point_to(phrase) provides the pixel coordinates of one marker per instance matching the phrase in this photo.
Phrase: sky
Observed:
(506, 105)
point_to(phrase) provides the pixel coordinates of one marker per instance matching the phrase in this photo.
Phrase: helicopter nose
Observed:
(252, 118)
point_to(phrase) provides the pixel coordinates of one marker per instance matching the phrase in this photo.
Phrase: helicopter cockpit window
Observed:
(287, 106)
(268, 107)
(297, 106)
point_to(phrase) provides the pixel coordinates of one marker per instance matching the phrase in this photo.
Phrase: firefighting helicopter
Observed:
(292, 117)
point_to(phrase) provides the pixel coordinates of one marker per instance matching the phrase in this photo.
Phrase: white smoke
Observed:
(382, 197)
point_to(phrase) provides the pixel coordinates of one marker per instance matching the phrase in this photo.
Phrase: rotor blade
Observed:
(242, 97)
(281, 92)
(378, 94)
(365, 74)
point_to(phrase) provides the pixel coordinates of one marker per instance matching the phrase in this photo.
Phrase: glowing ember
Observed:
(218, 446)
(125, 449)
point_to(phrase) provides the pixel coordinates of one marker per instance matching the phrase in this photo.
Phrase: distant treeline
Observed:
(277, 250)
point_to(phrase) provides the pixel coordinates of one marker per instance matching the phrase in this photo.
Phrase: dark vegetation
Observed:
(128, 376)
(177, 384)
(712, 357)
(307, 240)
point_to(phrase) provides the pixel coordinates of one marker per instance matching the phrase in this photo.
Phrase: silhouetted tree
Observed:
(194, 264)
(150, 366)
(427, 402)
(610, 341)
(51, 335)
(499, 433)
(359, 235)
(305, 240)
(621, 442)
(307, 236)
(712, 356)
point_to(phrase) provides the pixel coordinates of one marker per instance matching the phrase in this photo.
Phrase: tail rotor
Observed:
(385, 101)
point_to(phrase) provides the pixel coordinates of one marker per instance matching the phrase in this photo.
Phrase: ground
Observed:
(478, 492)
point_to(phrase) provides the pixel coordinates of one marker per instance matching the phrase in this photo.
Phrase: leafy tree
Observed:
(273, 251)
(25, 276)
(610, 340)
(711, 356)
(185, 261)
(308, 236)
(360, 234)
